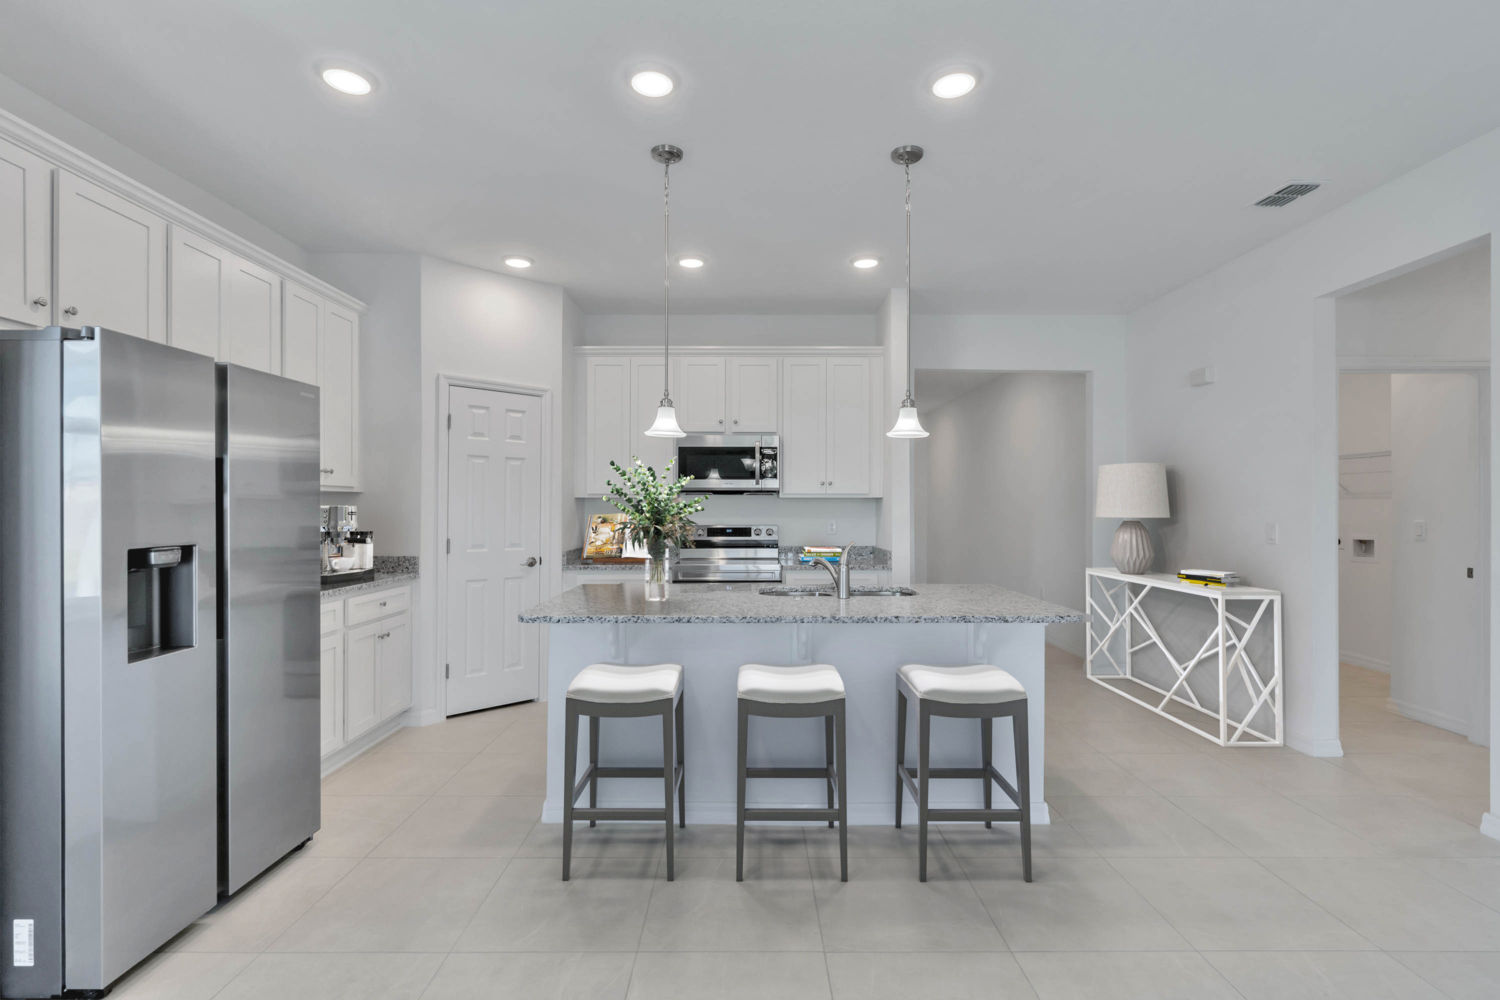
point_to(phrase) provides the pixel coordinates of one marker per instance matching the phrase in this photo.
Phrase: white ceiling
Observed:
(1109, 154)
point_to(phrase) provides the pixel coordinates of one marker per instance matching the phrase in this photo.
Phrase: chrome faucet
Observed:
(840, 573)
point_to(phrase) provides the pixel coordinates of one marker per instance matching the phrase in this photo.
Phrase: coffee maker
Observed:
(348, 552)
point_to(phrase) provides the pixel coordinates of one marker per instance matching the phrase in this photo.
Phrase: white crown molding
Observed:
(66, 157)
(1403, 365)
(697, 351)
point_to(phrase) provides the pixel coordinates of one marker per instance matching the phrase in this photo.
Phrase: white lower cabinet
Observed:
(367, 667)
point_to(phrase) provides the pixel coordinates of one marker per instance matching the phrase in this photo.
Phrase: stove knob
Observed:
(770, 531)
(757, 531)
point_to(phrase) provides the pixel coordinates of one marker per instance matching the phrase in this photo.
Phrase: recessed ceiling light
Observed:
(519, 263)
(691, 263)
(865, 263)
(953, 85)
(346, 81)
(651, 83)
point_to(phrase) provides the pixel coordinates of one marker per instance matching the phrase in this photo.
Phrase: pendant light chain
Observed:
(910, 376)
(666, 283)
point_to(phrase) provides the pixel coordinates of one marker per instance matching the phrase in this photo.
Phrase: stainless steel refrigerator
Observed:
(108, 635)
(269, 662)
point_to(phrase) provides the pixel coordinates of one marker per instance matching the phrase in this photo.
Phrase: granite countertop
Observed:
(382, 581)
(617, 603)
(861, 557)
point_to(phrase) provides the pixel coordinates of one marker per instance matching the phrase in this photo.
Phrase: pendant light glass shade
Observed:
(666, 423)
(908, 424)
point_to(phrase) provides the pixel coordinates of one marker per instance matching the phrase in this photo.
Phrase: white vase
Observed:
(1131, 550)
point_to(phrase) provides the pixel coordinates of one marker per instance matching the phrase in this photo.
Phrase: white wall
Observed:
(1365, 513)
(1260, 445)
(629, 330)
(1001, 491)
(1437, 312)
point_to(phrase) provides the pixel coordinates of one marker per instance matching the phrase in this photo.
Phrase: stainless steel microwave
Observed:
(730, 463)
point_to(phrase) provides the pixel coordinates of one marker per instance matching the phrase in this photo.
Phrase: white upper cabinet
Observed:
(645, 394)
(338, 370)
(222, 305)
(301, 333)
(754, 395)
(698, 390)
(252, 317)
(25, 238)
(111, 261)
(830, 446)
(608, 429)
(804, 414)
(850, 428)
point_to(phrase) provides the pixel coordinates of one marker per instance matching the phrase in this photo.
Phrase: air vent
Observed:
(1287, 195)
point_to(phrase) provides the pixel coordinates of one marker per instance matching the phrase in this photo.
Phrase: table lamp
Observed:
(1132, 490)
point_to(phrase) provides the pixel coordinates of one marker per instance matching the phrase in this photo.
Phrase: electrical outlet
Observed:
(1273, 533)
(1419, 530)
(833, 528)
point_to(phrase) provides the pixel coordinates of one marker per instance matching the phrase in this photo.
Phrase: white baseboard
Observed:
(1431, 716)
(1361, 660)
(1326, 746)
(866, 814)
(426, 717)
(365, 743)
(1489, 825)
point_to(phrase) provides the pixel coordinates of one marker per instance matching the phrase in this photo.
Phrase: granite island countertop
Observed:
(625, 603)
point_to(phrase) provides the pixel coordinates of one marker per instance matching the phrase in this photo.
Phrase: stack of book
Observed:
(812, 553)
(1209, 577)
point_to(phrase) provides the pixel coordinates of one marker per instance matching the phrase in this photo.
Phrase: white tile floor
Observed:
(1173, 868)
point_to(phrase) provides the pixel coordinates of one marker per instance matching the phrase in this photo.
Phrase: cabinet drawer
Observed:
(332, 618)
(369, 607)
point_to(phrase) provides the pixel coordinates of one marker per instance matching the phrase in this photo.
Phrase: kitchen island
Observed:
(711, 631)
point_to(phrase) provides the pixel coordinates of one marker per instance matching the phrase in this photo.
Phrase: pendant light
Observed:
(907, 425)
(666, 414)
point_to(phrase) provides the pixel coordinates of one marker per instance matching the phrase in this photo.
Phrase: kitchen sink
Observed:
(828, 592)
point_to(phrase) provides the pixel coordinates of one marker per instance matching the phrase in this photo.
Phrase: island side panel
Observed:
(867, 655)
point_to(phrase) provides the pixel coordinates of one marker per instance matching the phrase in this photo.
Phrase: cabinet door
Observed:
(645, 394)
(754, 397)
(196, 303)
(338, 371)
(25, 238)
(332, 692)
(698, 392)
(393, 667)
(804, 414)
(608, 434)
(360, 654)
(111, 261)
(849, 446)
(301, 333)
(252, 317)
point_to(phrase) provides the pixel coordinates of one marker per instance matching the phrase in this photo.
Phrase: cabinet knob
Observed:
(40, 301)
(326, 472)
(71, 311)
(736, 419)
(382, 604)
(721, 420)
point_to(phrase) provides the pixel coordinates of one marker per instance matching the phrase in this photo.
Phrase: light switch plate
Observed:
(1419, 530)
(1273, 533)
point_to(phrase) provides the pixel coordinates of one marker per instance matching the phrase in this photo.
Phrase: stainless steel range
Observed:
(726, 553)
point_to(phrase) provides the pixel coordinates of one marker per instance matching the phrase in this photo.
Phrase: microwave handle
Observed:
(757, 461)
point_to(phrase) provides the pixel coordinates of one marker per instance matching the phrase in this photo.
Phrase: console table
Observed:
(1210, 685)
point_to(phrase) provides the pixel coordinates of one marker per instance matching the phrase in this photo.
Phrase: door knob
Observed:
(40, 301)
(531, 562)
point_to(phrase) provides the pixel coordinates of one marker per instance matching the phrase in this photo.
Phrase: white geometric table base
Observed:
(1116, 609)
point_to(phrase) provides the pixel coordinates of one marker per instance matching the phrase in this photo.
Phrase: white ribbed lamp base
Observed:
(1131, 550)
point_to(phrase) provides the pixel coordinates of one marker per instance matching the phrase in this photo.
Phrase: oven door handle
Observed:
(757, 463)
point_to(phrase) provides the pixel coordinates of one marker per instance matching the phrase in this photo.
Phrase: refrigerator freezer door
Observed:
(269, 739)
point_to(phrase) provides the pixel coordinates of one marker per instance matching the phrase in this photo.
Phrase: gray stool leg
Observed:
(669, 774)
(739, 810)
(828, 759)
(594, 726)
(900, 752)
(1023, 784)
(570, 772)
(681, 759)
(987, 754)
(924, 752)
(843, 777)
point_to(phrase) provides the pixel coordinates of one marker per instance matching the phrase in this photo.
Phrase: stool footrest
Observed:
(792, 814)
(909, 779)
(974, 815)
(595, 770)
(789, 772)
(617, 812)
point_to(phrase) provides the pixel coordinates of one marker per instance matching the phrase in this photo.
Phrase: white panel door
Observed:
(495, 530)
(850, 425)
(338, 370)
(301, 333)
(393, 667)
(608, 435)
(332, 691)
(804, 414)
(754, 396)
(360, 713)
(252, 317)
(111, 261)
(25, 237)
(645, 394)
(199, 281)
(698, 393)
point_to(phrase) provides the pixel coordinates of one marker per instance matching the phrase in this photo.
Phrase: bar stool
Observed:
(614, 691)
(794, 692)
(981, 691)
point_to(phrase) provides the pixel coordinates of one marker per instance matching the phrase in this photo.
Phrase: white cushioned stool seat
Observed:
(979, 684)
(617, 684)
(790, 685)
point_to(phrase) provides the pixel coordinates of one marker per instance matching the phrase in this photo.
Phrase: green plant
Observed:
(656, 514)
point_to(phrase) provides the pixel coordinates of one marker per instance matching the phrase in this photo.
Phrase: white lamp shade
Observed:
(908, 424)
(1132, 490)
(666, 424)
